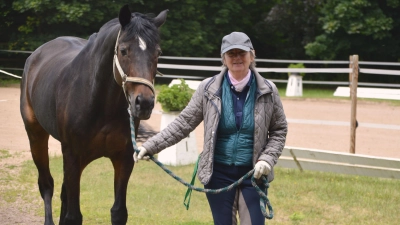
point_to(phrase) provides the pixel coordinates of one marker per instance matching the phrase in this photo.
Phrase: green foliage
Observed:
(176, 97)
(356, 17)
(7, 82)
(193, 28)
(4, 154)
(289, 29)
(297, 216)
(297, 65)
(30, 23)
(196, 28)
(366, 27)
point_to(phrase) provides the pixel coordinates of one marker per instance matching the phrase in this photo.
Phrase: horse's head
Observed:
(136, 55)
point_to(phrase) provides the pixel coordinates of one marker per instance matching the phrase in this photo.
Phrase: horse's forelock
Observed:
(143, 26)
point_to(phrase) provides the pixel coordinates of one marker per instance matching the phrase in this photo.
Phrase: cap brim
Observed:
(244, 48)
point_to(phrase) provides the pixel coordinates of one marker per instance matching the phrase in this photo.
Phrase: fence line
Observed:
(261, 60)
(380, 71)
(259, 69)
(287, 61)
(10, 74)
(339, 162)
(282, 70)
(345, 83)
(269, 70)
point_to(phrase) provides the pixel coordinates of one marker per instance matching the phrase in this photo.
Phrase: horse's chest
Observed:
(111, 142)
(102, 141)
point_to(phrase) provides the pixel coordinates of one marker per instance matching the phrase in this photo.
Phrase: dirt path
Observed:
(318, 124)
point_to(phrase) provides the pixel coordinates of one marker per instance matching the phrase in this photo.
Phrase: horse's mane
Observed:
(143, 26)
(140, 25)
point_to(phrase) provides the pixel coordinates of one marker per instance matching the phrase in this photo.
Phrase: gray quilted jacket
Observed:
(269, 132)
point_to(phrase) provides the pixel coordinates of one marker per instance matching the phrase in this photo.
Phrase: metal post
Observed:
(353, 96)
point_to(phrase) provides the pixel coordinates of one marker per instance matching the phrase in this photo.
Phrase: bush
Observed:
(176, 97)
(298, 65)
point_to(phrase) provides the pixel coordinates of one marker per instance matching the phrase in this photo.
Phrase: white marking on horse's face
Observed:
(142, 44)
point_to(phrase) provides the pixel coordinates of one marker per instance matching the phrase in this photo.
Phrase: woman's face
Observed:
(238, 61)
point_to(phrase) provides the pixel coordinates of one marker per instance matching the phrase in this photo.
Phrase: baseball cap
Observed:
(236, 40)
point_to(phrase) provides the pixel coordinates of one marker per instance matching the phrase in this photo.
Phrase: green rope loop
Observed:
(262, 191)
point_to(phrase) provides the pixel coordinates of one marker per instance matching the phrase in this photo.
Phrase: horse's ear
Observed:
(124, 15)
(160, 19)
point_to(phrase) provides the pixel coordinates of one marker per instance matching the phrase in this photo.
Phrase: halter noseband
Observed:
(125, 77)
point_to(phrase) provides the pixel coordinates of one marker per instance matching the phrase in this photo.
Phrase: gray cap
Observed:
(236, 40)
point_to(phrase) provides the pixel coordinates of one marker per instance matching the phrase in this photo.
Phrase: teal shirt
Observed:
(235, 146)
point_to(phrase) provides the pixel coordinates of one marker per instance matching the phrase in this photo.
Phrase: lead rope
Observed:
(263, 194)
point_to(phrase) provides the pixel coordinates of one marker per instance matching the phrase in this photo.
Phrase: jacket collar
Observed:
(263, 85)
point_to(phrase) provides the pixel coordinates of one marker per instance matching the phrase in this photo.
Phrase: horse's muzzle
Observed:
(142, 107)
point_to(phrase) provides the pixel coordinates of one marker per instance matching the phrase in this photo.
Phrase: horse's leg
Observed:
(123, 166)
(38, 141)
(63, 198)
(70, 208)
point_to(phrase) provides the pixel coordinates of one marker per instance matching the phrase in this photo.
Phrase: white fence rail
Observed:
(339, 162)
(379, 93)
(269, 70)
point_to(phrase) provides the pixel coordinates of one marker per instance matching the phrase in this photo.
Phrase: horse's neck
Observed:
(102, 53)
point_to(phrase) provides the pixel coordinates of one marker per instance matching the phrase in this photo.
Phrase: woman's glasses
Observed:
(234, 53)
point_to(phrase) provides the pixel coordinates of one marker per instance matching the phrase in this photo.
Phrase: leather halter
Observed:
(124, 78)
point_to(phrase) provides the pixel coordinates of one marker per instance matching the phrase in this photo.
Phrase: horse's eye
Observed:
(159, 52)
(123, 51)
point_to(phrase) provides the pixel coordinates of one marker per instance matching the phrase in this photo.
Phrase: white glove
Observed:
(141, 155)
(261, 168)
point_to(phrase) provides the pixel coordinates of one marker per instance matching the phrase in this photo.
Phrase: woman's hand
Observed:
(261, 168)
(141, 155)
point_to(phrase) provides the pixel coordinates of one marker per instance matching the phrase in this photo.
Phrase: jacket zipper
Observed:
(235, 150)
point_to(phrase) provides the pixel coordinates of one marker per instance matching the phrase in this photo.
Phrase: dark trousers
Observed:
(243, 200)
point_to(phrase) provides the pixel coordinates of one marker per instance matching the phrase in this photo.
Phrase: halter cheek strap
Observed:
(124, 78)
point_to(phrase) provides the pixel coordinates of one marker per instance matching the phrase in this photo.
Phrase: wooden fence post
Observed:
(353, 96)
(350, 74)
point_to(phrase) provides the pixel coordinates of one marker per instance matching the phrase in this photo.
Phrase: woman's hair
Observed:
(252, 64)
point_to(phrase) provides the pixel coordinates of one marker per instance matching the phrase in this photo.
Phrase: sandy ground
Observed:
(316, 124)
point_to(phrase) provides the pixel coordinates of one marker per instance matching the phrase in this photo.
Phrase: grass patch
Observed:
(4, 154)
(327, 93)
(155, 198)
(9, 82)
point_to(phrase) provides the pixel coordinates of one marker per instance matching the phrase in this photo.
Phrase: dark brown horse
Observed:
(68, 91)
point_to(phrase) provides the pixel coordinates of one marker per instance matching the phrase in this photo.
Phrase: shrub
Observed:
(176, 97)
(298, 65)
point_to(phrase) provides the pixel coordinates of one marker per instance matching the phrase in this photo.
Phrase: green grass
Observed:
(155, 198)
(9, 82)
(4, 154)
(312, 93)
(327, 93)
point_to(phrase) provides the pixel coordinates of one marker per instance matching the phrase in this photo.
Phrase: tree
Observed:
(196, 27)
(193, 27)
(287, 27)
(368, 28)
(38, 21)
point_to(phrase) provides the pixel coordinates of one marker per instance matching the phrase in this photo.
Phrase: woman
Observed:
(244, 128)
